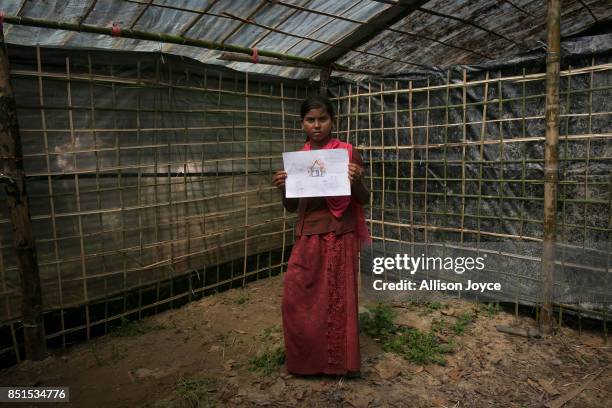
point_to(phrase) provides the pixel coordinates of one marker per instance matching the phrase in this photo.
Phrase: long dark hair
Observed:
(317, 102)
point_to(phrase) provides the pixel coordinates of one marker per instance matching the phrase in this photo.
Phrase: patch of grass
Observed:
(439, 325)
(193, 392)
(490, 309)
(461, 324)
(268, 361)
(118, 352)
(430, 307)
(272, 333)
(379, 322)
(412, 344)
(94, 351)
(272, 353)
(242, 298)
(129, 328)
(458, 327)
(418, 347)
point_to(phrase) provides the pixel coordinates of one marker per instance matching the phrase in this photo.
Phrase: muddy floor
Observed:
(222, 352)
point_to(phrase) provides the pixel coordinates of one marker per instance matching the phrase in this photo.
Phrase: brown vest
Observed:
(315, 218)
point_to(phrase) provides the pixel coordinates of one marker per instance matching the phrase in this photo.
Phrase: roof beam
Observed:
(366, 32)
(144, 9)
(315, 40)
(471, 23)
(381, 27)
(156, 37)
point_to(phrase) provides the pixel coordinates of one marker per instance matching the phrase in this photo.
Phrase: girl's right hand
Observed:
(279, 179)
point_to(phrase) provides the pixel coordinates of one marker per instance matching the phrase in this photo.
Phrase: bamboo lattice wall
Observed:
(150, 183)
(457, 158)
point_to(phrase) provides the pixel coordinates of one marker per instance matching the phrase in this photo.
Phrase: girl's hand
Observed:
(279, 179)
(355, 173)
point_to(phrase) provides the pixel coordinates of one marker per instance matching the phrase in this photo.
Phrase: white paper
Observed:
(317, 173)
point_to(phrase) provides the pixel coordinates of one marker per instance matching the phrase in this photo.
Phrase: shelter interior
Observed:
(150, 131)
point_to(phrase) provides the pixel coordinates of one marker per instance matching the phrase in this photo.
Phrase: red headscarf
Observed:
(337, 205)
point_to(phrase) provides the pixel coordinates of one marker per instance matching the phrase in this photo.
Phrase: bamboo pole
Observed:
(386, 27)
(246, 180)
(12, 175)
(157, 37)
(324, 81)
(551, 177)
(234, 57)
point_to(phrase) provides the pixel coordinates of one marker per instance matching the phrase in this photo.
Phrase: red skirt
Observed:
(320, 311)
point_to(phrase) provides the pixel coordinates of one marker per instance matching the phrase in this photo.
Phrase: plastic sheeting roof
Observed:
(476, 32)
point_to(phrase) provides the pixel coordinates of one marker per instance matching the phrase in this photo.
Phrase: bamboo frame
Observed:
(183, 204)
(173, 211)
(551, 157)
(385, 27)
(13, 180)
(430, 119)
(150, 36)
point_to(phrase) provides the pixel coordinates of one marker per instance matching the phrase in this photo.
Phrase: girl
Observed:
(320, 311)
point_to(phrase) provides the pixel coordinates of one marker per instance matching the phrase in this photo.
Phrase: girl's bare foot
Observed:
(284, 373)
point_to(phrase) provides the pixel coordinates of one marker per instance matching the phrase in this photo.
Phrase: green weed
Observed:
(430, 307)
(439, 326)
(412, 344)
(458, 328)
(490, 309)
(118, 352)
(379, 323)
(418, 347)
(193, 392)
(242, 298)
(129, 328)
(94, 352)
(461, 324)
(272, 354)
(268, 361)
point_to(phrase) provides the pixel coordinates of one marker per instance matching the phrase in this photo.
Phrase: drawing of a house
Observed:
(317, 169)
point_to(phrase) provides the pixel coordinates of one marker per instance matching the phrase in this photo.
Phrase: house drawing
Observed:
(317, 169)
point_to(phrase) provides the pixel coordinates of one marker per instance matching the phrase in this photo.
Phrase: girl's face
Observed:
(317, 124)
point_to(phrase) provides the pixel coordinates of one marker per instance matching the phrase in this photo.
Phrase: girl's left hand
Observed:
(355, 172)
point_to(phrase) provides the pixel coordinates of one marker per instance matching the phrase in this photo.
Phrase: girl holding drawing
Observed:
(320, 310)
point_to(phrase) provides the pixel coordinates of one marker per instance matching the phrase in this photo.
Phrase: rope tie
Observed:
(116, 30)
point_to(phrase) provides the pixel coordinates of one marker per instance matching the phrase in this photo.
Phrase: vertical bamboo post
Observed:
(371, 160)
(246, 177)
(349, 110)
(397, 165)
(550, 160)
(12, 175)
(411, 128)
(324, 81)
(383, 163)
(139, 196)
(284, 139)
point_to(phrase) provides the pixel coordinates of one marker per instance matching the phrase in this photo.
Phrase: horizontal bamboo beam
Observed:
(142, 82)
(343, 48)
(157, 37)
(272, 61)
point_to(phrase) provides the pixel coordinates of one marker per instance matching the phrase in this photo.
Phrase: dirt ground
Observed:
(201, 355)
